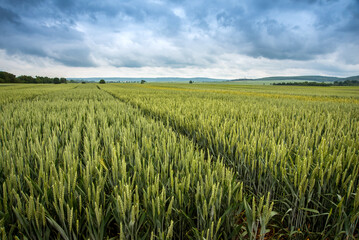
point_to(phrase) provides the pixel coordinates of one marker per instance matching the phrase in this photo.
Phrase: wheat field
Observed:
(178, 161)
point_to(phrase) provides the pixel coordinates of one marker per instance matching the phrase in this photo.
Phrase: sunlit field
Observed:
(178, 161)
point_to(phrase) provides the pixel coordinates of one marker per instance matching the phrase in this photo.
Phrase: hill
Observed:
(159, 79)
(300, 78)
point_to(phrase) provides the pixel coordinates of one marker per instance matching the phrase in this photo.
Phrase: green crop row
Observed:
(176, 161)
(80, 164)
(302, 149)
(18, 92)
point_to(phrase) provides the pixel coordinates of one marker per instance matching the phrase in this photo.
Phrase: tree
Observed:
(63, 80)
(190, 81)
(102, 81)
(7, 77)
(143, 81)
(25, 79)
(57, 81)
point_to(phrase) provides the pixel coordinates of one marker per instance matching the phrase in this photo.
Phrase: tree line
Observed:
(6, 77)
(336, 83)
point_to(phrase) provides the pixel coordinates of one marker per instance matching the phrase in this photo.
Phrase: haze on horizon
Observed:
(179, 38)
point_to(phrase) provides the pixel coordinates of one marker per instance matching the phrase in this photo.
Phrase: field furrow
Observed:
(304, 153)
(79, 164)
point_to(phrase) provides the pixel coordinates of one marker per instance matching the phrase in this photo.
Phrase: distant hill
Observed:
(160, 79)
(355, 78)
(300, 78)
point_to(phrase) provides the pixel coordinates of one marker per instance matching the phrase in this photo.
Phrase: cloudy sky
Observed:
(179, 38)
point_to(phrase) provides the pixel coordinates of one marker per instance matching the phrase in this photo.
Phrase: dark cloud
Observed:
(23, 3)
(8, 16)
(76, 57)
(351, 20)
(298, 30)
(67, 31)
(42, 35)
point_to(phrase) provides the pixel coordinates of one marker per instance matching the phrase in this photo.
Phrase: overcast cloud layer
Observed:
(224, 39)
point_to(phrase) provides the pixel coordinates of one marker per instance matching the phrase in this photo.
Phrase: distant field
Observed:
(179, 161)
(264, 82)
(333, 91)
